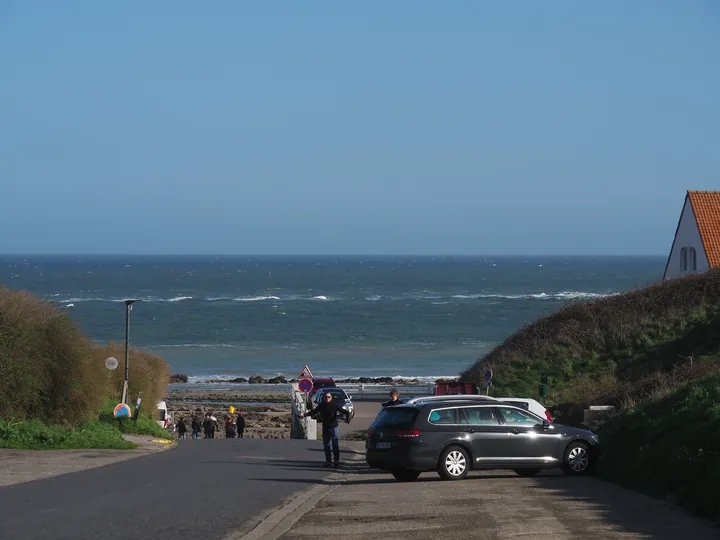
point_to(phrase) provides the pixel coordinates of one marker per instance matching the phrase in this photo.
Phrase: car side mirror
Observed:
(545, 424)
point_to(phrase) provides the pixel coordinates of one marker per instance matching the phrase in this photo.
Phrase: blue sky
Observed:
(372, 127)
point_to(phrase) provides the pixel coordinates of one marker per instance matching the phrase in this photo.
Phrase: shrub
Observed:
(148, 373)
(46, 365)
(669, 447)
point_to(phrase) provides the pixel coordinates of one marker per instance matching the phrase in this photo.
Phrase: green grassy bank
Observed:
(616, 350)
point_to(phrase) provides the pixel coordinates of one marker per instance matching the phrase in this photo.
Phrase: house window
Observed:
(688, 259)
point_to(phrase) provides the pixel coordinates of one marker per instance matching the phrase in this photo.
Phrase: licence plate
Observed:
(382, 445)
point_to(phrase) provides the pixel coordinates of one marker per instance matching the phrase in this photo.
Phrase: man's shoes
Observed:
(336, 465)
(328, 463)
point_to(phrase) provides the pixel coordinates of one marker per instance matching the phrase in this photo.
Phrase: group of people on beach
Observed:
(209, 425)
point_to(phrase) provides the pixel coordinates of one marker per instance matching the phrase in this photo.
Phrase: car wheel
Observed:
(527, 472)
(576, 461)
(454, 463)
(405, 475)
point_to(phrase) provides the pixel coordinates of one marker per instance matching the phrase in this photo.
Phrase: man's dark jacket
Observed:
(328, 413)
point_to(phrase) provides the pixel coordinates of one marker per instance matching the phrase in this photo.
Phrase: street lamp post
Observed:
(128, 309)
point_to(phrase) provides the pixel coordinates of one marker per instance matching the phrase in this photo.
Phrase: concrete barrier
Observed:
(380, 392)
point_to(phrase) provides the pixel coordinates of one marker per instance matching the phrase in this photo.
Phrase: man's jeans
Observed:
(195, 435)
(330, 434)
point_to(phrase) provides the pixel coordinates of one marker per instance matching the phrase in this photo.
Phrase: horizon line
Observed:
(327, 255)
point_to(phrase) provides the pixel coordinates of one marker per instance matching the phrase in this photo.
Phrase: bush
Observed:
(148, 373)
(618, 341)
(670, 447)
(37, 435)
(47, 368)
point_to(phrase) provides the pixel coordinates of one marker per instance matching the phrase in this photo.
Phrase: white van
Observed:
(529, 405)
(163, 417)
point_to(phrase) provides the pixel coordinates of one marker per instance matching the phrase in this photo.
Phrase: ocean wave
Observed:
(565, 295)
(146, 299)
(435, 298)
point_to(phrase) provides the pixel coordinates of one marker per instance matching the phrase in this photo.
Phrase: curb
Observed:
(279, 521)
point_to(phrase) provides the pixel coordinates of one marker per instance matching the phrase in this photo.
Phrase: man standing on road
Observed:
(394, 399)
(328, 411)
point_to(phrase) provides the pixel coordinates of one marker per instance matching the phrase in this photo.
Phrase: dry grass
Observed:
(148, 373)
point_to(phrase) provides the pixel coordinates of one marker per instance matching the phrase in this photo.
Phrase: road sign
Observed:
(305, 385)
(488, 375)
(305, 373)
(111, 362)
(121, 409)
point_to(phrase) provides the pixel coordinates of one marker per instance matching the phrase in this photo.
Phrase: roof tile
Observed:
(706, 207)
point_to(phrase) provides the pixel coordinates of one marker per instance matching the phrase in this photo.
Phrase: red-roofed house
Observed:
(696, 247)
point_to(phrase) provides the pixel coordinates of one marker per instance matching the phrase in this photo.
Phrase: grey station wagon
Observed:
(455, 434)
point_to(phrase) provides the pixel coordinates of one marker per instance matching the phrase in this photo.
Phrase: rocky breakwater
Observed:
(261, 421)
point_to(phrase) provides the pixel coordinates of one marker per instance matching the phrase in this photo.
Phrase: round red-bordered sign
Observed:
(305, 385)
(121, 410)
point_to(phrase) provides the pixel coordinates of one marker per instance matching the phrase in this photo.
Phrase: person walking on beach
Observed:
(196, 427)
(394, 399)
(328, 411)
(181, 428)
(209, 426)
(230, 429)
(240, 425)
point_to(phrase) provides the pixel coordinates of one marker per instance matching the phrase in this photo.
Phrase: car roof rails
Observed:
(450, 397)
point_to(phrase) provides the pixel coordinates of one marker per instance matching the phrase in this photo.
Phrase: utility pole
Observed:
(128, 309)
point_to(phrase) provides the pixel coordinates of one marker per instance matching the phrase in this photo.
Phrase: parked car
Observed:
(322, 382)
(529, 405)
(443, 388)
(460, 433)
(339, 396)
(163, 417)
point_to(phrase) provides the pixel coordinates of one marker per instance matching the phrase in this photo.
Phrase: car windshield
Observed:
(398, 417)
(338, 395)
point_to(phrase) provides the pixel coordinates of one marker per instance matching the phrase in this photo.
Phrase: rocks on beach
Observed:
(281, 379)
(261, 422)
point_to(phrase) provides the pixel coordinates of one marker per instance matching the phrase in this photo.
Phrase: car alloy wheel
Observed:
(454, 463)
(577, 459)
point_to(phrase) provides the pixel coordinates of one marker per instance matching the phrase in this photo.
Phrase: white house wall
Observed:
(687, 235)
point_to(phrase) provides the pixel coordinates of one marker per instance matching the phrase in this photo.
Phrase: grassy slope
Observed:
(593, 350)
(36, 435)
(670, 447)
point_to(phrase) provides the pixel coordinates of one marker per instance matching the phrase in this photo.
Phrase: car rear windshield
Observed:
(519, 404)
(397, 417)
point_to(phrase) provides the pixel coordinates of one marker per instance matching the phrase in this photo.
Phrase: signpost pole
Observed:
(128, 309)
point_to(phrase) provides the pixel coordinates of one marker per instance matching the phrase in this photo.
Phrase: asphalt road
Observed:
(493, 505)
(202, 489)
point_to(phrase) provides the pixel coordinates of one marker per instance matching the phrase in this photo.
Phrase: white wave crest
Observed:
(177, 299)
(323, 298)
(565, 295)
(255, 298)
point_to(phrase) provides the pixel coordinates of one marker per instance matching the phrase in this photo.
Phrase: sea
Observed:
(215, 318)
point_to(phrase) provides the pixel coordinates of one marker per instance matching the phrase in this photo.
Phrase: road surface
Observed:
(493, 505)
(202, 489)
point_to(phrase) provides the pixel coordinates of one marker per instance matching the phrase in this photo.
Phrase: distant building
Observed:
(696, 247)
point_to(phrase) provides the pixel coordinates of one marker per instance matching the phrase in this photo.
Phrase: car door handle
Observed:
(514, 431)
(469, 431)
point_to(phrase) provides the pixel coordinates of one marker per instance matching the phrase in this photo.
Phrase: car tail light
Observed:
(408, 433)
(548, 416)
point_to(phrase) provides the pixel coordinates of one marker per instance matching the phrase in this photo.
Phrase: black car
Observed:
(454, 434)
